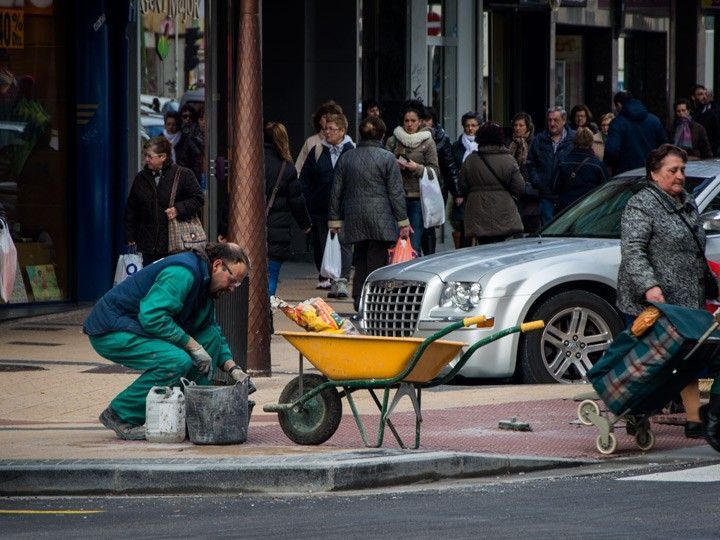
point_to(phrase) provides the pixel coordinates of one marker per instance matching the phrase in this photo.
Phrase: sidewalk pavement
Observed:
(54, 386)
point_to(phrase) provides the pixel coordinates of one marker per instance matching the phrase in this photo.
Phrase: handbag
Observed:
(431, 200)
(184, 235)
(127, 265)
(271, 200)
(8, 262)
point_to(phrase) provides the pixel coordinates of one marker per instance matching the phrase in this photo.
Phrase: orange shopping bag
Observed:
(401, 252)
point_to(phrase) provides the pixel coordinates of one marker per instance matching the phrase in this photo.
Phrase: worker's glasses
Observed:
(234, 281)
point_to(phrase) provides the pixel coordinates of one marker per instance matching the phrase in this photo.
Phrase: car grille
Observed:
(392, 308)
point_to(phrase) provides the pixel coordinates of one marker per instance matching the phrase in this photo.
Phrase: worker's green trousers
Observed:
(162, 364)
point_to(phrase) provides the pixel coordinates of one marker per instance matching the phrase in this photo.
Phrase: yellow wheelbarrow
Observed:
(310, 406)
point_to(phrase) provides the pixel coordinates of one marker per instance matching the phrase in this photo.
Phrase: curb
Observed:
(267, 474)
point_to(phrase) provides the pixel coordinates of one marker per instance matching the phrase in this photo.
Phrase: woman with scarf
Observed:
(461, 149)
(523, 129)
(414, 148)
(687, 134)
(172, 130)
(148, 209)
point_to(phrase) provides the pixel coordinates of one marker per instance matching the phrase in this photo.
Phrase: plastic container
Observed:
(165, 415)
(217, 414)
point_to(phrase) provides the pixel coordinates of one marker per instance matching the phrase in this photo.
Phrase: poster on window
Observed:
(43, 282)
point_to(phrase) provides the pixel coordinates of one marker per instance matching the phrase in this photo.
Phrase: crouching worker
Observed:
(161, 321)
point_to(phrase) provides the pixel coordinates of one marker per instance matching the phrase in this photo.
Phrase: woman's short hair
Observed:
(607, 116)
(189, 109)
(340, 120)
(580, 107)
(175, 115)
(682, 101)
(369, 104)
(654, 160)
(490, 133)
(329, 107)
(583, 138)
(522, 115)
(160, 145)
(470, 115)
(276, 134)
(372, 128)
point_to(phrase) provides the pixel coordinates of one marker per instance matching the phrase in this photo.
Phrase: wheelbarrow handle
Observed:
(532, 325)
(481, 321)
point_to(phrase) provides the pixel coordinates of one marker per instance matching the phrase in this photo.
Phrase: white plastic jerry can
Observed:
(165, 415)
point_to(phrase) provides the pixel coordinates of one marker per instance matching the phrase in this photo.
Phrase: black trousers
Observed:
(369, 256)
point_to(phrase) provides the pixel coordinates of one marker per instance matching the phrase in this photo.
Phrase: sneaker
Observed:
(333, 290)
(341, 290)
(323, 284)
(123, 430)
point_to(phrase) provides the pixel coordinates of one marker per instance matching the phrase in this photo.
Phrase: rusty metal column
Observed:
(246, 221)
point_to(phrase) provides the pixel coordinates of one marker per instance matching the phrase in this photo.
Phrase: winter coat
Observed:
(145, 221)
(316, 178)
(633, 134)
(578, 173)
(490, 208)
(700, 143)
(189, 149)
(657, 248)
(446, 161)
(709, 118)
(418, 147)
(542, 161)
(367, 200)
(289, 204)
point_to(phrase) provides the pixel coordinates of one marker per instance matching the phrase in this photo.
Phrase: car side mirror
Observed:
(711, 221)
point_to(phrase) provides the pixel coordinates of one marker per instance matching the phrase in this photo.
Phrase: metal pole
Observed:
(247, 184)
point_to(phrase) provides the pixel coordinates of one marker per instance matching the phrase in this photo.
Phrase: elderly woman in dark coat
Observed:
(662, 254)
(367, 202)
(491, 180)
(148, 209)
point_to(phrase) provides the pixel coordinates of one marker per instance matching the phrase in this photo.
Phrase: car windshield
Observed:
(598, 214)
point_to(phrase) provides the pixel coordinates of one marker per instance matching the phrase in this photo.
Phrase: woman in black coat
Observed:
(288, 202)
(148, 210)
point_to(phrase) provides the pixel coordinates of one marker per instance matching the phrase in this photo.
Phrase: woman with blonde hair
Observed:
(285, 200)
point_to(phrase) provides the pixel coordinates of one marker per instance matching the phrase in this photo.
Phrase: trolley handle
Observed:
(532, 325)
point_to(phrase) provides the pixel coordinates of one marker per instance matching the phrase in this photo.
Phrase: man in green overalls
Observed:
(161, 321)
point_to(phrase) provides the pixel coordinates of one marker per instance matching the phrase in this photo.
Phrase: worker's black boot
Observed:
(710, 416)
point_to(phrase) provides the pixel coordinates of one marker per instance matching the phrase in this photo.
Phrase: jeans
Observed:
(547, 208)
(414, 212)
(273, 275)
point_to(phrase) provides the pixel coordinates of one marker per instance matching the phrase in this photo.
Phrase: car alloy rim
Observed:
(572, 341)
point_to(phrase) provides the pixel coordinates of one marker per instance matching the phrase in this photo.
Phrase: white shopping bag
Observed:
(331, 266)
(127, 265)
(8, 262)
(431, 200)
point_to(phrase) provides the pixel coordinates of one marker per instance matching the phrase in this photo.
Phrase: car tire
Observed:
(579, 327)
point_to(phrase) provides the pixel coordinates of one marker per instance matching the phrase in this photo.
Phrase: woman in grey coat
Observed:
(662, 245)
(491, 181)
(367, 202)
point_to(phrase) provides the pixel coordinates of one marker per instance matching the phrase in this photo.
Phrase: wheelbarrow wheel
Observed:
(315, 420)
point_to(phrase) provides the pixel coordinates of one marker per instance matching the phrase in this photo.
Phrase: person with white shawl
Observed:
(461, 149)
(172, 130)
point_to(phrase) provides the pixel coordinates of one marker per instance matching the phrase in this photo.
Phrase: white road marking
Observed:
(711, 473)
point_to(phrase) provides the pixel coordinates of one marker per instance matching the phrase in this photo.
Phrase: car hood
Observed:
(474, 262)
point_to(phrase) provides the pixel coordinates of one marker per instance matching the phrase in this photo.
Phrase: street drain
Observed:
(33, 343)
(39, 328)
(9, 368)
(110, 369)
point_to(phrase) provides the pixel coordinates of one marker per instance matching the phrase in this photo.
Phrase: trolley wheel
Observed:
(608, 448)
(315, 420)
(645, 439)
(585, 408)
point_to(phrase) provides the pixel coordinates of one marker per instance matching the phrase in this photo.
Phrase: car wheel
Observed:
(579, 327)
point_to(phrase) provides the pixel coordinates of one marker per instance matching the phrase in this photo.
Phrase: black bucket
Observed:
(217, 414)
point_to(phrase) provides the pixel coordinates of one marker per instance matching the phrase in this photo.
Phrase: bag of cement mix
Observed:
(315, 315)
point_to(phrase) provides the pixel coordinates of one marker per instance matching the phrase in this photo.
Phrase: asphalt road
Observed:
(649, 502)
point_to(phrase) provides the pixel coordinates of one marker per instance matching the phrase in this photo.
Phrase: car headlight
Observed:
(461, 294)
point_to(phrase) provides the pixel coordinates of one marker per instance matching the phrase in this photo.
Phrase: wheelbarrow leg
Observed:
(358, 420)
(412, 392)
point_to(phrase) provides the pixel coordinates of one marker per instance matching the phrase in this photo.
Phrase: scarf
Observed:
(411, 140)
(337, 149)
(470, 145)
(174, 138)
(683, 136)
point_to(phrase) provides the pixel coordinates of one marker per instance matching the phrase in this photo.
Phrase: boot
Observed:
(456, 236)
(710, 416)
(428, 242)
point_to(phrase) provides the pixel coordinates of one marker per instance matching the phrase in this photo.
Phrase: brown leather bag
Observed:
(184, 235)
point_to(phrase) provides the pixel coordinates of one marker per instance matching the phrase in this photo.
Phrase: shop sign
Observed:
(12, 28)
(184, 9)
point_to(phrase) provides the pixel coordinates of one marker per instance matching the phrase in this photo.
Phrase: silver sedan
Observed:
(566, 276)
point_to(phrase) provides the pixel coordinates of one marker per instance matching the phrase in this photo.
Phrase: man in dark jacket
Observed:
(316, 178)
(367, 202)
(161, 321)
(633, 134)
(707, 114)
(448, 172)
(580, 171)
(547, 149)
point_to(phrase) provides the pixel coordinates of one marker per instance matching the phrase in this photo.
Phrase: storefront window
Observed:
(172, 76)
(33, 146)
(442, 59)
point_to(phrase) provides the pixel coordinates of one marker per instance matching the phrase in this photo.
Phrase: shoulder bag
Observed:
(271, 200)
(497, 176)
(184, 235)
